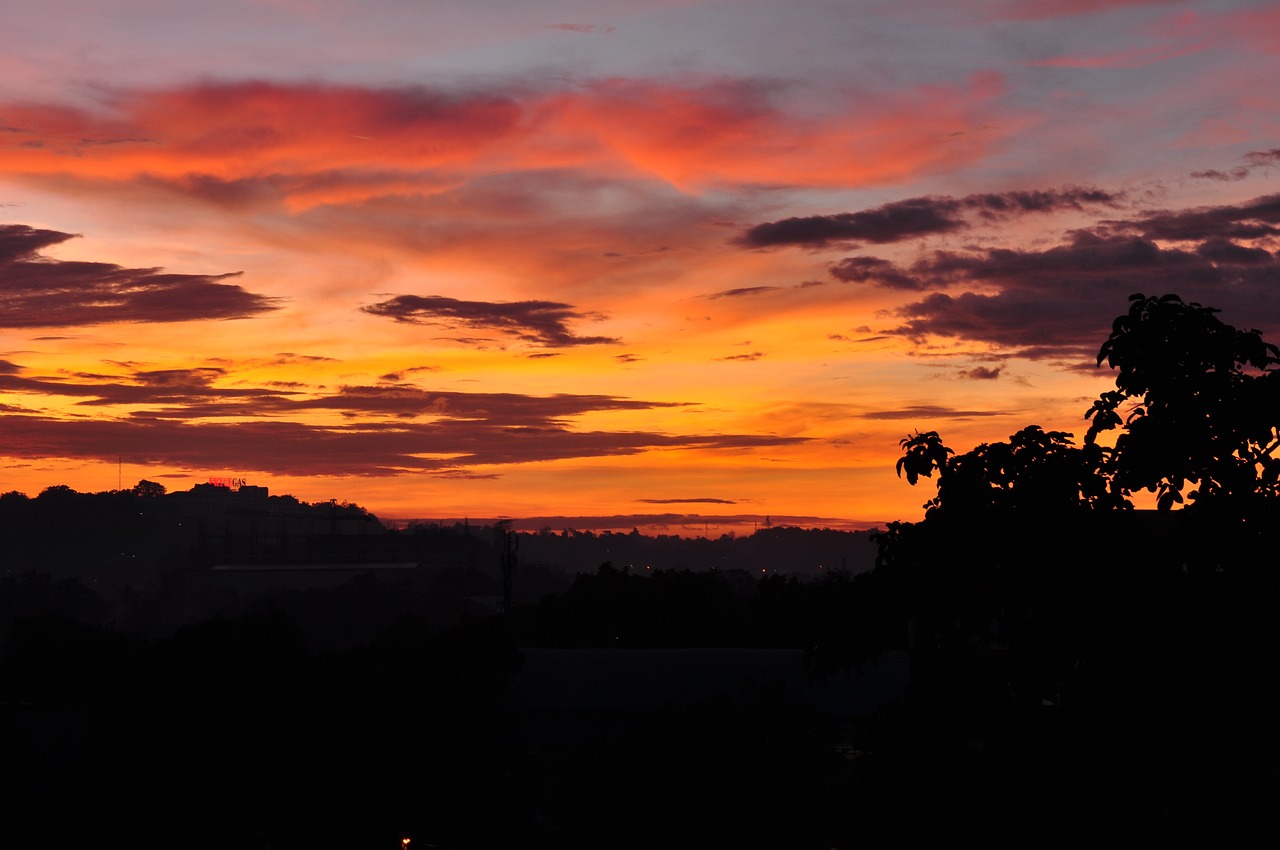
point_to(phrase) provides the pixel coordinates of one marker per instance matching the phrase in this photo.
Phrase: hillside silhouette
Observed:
(1036, 657)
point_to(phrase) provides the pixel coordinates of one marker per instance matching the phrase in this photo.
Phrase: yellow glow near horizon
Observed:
(677, 275)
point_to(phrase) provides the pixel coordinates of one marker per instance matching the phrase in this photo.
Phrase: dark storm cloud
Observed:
(1001, 205)
(892, 222)
(877, 271)
(912, 218)
(1060, 301)
(1251, 220)
(1087, 259)
(1224, 252)
(37, 291)
(1026, 324)
(540, 322)
(1055, 302)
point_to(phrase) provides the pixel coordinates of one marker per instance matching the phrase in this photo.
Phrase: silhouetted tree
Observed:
(148, 489)
(1205, 404)
(1032, 583)
(1204, 408)
(57, 491)
(1035, 470)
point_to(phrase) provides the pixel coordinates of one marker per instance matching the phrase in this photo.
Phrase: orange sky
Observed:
(574, 259)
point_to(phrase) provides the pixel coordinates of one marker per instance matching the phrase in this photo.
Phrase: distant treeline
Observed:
(781, 549)
(148, 561)
(355, 714)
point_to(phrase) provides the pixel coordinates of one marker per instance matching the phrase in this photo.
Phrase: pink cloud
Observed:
(1184, 34)
(735, 132)
(1258, 27)
(304, 145)
(1135, 58)
(1035, 10)
(585, 29)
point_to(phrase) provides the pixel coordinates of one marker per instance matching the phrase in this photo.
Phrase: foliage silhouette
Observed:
(1205, 405)
(1053, 626)
(148, 489)
(1203, 408)
(1035, 470)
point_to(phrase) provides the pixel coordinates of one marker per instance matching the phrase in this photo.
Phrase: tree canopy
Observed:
(1032, 583)
(1197, 402)
(1204, 404)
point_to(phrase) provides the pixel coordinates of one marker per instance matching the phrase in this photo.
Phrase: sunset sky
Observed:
(482, 258)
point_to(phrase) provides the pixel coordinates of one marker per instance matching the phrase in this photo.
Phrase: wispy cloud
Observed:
(38, 291)
(302, 145)
(925, 412)
(1058, 301)
(365, 449)
(540, 322)
(1034, 10)
(742, 291)
(392, 428)
(585, 29)
(1256, 218)
(982, 373)
(1252, 162)
(876, 271)
(916, 217)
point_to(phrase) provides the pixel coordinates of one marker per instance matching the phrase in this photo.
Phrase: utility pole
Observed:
(508, 543)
